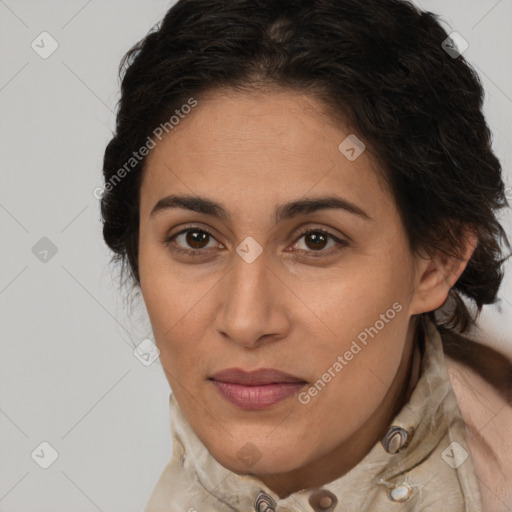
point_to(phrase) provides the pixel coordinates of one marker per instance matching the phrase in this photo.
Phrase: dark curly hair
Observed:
(380, 66)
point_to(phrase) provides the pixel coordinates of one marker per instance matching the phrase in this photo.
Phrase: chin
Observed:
(249, 460)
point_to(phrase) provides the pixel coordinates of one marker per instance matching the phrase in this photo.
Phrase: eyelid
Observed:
(315, 229)
(168, 238)
(340, 242)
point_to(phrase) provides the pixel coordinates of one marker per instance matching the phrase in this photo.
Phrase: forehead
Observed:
(261, 147)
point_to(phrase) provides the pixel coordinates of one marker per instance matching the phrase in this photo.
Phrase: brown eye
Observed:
(315, 240)
(196, 239)
(316, 243)
(192, 241)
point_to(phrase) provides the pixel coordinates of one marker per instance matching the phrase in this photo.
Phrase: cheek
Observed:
(176, 309)
(355, 350)
(344, 301)
(352, 375)
(168, 293)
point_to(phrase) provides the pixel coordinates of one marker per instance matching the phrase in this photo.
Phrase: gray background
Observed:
(68, 375)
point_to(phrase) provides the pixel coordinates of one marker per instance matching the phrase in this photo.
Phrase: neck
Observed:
(348, 454)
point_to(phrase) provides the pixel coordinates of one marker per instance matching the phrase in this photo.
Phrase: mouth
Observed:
(257, 389)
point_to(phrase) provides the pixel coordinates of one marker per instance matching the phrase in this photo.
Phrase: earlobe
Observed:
(437, 274)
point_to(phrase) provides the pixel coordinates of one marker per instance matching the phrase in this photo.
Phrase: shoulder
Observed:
(481, 379)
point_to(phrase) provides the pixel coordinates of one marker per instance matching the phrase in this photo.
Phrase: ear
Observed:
(436, 274)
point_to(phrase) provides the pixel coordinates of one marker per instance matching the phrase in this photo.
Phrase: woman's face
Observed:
(329, 308)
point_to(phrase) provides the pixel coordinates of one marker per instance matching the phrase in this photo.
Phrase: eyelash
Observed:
(315, 254)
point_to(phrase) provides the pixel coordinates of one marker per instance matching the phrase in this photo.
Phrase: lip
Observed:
(258, 377)
(256, 389)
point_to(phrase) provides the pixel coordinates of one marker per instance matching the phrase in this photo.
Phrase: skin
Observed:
(287, 309)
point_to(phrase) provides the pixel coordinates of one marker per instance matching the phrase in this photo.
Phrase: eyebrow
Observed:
(285, 211)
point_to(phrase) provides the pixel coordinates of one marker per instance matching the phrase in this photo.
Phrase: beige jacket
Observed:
(425, 461)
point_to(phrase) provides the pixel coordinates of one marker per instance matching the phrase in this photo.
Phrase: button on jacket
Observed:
(422, 463)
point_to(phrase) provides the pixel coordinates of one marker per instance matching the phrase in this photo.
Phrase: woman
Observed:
(298, 188)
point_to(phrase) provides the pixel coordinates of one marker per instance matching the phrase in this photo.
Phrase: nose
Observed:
(252, 306)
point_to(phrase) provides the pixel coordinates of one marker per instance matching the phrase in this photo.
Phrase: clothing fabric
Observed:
(422, 463)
